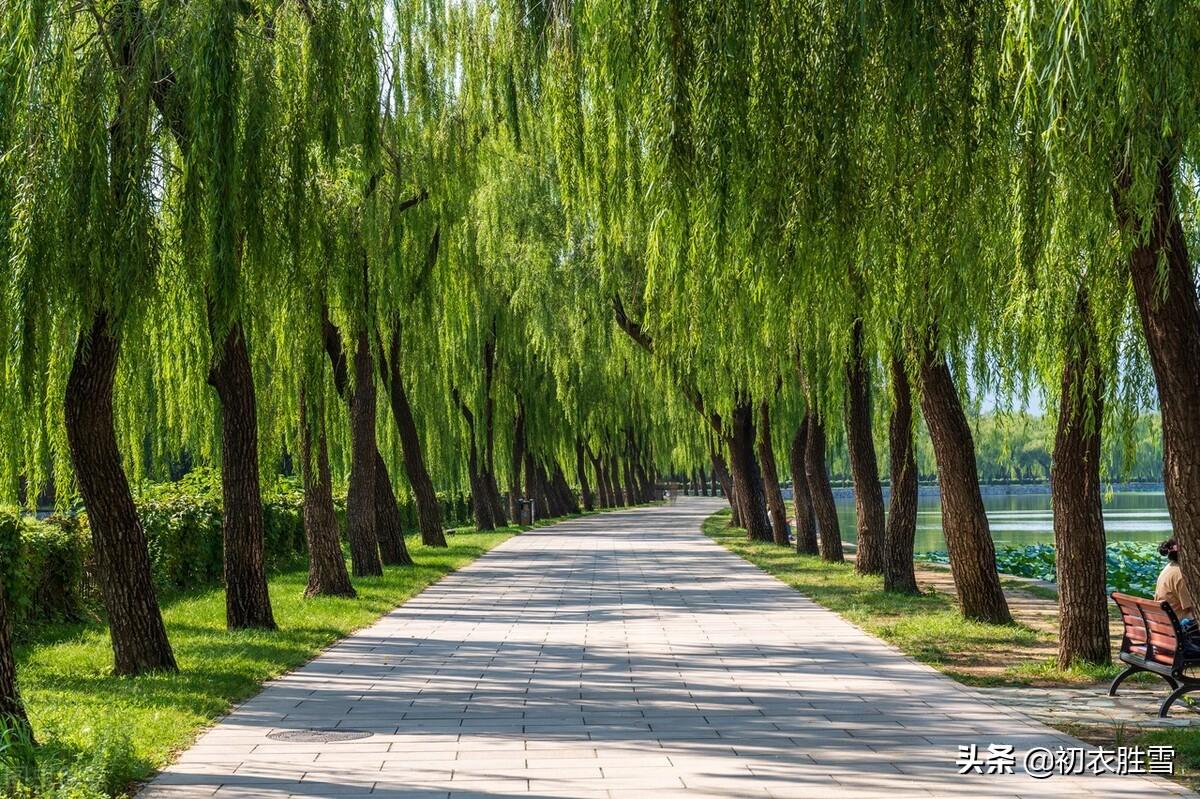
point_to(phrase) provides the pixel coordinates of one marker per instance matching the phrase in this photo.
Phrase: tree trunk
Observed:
(555, 501)
(964, 521)
(389, 528)
(327, 575)
(1170, 314)
(864, 467)
(806, 523)
(901, 528)
(533, 489)
(702, 485)
(489, 433)
(480, 503)
(614, 474)
(721, 477)
(429, 514)
(585, 488)
(747, 479)
(766, 456)
(642, 477)
(821, 492)
(1075, 493)
(139, 639)
(571, 502)
(360, 496)
(388, 524)
(247, 603)
(518, 457)
(614, 484)
(603, 500)
(632, 495)
(12, 710)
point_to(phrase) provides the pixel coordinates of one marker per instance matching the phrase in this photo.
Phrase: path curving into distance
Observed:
(618, 655)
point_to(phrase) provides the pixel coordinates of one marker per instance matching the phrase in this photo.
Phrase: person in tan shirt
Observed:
(1171, 586)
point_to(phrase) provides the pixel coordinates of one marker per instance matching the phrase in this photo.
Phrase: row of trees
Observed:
(271, 232)
(580, 241)
(1010, 447)
(799, 210)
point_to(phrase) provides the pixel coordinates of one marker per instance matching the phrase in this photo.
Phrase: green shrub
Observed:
(51, 578)
(43, 567)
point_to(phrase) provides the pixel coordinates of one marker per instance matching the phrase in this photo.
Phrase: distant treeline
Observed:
(1015, 447)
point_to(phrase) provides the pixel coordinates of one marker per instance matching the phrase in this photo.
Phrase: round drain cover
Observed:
(318, 736)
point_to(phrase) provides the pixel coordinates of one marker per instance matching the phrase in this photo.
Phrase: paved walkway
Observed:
(622, 655)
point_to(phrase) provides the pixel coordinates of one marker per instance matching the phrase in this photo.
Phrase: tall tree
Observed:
(964, 519)
(327, 575)
(78, 163)
(766, 456)
(868, 493)
(901, 529)
(1081, 564)
(806, 522)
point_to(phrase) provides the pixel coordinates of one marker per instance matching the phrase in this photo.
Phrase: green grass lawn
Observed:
(124, 729)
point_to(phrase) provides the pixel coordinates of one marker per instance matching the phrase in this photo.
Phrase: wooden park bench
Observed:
(1153, 642)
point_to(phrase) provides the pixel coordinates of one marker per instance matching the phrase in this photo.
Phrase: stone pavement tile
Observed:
(612, 656)
(179, 792)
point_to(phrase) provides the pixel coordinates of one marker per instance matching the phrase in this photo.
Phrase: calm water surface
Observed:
(1020, 519)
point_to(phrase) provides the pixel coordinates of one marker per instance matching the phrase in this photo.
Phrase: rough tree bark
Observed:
(247, 603)
(821, 492)
(139, 639)
(388, 524)
(806, 522)
(864, 467)
(360, 497)
(901, 529)
(429, 514)
(766, 456)
(1170, 315)
(1075, 494)
(327, 575)
(585, 487)
(964, 521)
(389, 528)
(747, 479)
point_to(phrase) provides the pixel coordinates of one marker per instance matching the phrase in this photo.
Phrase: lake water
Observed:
(1020, 519)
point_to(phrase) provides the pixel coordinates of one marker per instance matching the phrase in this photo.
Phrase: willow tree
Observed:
(80, 249)
(1113, 100)
(938, 120)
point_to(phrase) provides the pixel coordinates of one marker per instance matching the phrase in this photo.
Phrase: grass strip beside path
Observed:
(78, 707)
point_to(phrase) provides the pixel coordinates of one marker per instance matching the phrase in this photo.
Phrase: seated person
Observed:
(1171, 586)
